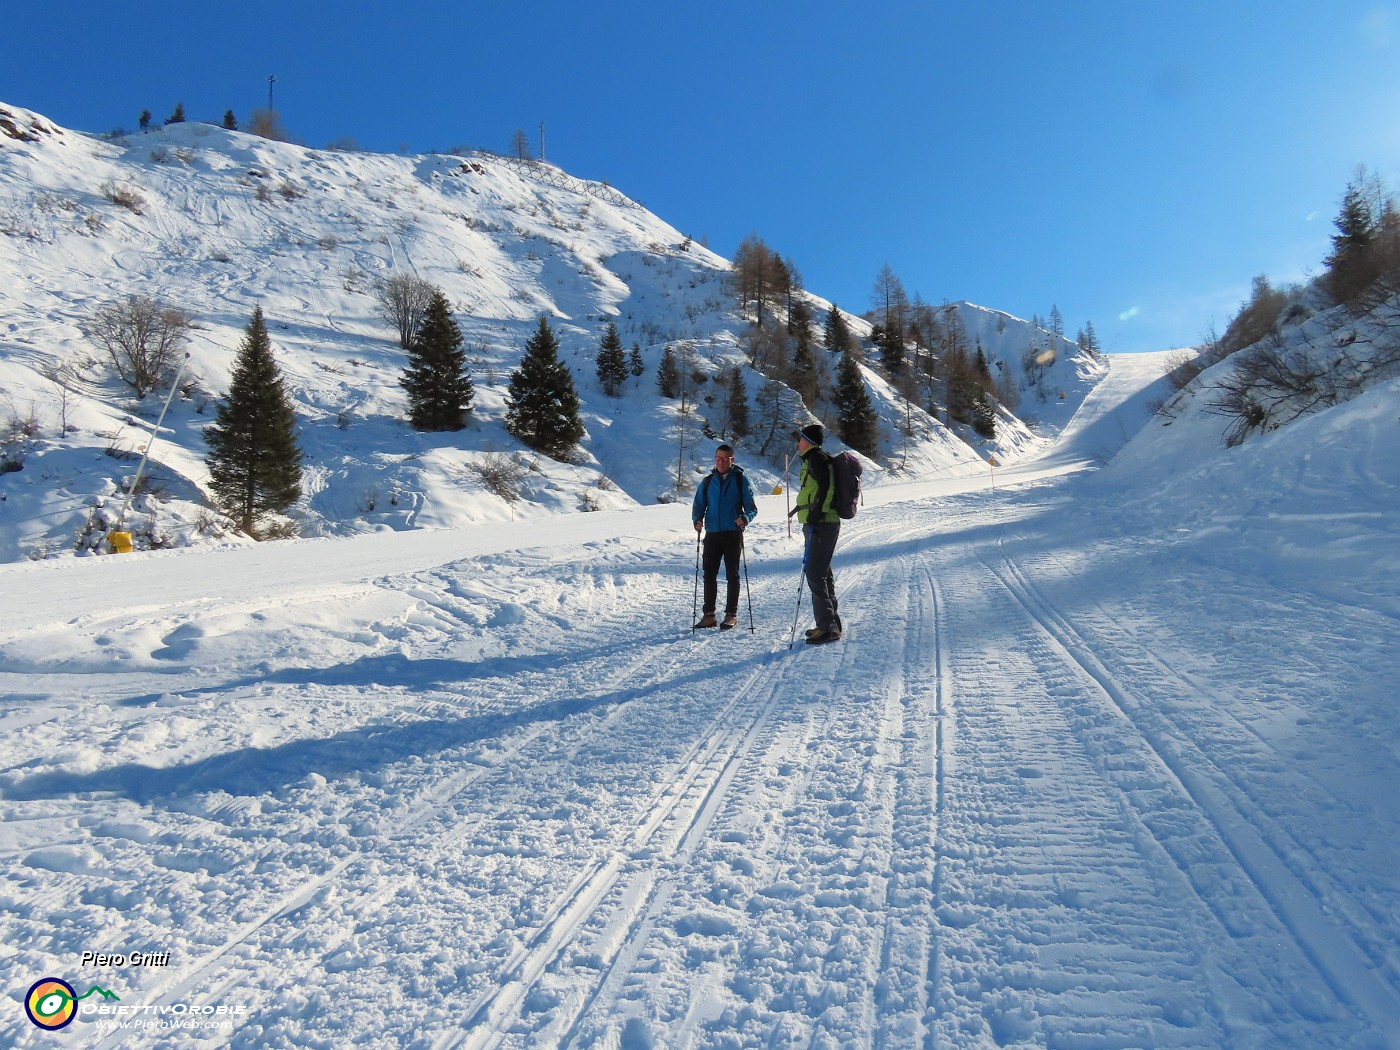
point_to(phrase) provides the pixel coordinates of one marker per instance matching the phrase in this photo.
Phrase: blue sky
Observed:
(1133, 163)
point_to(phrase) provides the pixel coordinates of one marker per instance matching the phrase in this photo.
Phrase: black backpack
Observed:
(845, 476)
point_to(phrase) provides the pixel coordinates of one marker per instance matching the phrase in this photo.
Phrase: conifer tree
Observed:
(855, 413)
(634, 361)
(838, 333)
(254, 462)
(611, 362)
(668, 374)
(439, 387)
(1350, 265)
(980, 366)
(1089, 340)
(736, 407)
(541, 402)
(803, 375)
(889, 337)
(177, 117)
(800, 321)
(230, 121)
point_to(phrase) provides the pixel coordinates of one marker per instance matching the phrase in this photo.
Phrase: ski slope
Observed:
(1070, 781)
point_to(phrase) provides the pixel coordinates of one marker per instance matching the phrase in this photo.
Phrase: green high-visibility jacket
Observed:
(817, 491)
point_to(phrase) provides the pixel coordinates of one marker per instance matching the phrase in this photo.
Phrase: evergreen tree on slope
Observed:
(254, 462)
(541, 402)
(611, 362)
(439, 387)
(855, 413)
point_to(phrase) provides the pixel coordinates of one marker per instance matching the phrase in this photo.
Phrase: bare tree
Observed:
(267, 123)
(64, 376)
(759, 276)
(403, 302)
(143, 338)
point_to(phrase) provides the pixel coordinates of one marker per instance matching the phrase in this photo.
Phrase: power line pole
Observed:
(541, 141)
(270, 81)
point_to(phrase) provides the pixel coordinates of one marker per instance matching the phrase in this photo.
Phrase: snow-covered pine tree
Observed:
(439, 387)
(541, 403)
(254, 462)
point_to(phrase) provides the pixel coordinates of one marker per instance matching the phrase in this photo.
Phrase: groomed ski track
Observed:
(509, 800)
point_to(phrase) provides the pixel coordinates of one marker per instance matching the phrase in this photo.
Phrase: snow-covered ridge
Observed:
(216, 222)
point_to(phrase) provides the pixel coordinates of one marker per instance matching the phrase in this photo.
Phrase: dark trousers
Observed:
(722, 547)
(821, 545)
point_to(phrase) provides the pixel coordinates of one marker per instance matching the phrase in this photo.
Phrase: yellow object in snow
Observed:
(120, 542)
(777, 490)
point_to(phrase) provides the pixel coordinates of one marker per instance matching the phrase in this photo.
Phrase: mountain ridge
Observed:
(216, 222)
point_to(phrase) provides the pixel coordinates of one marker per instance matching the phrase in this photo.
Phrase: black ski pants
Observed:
(821, 540)
(723, 547)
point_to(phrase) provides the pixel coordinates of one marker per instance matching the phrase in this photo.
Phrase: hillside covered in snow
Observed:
(1105, 758)
(216, 223)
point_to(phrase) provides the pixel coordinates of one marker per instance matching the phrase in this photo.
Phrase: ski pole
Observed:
(743, 553)
(695, 602)
(787, 490)
(796, 612)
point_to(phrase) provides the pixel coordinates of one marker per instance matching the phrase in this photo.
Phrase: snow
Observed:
(1099, 764)
(1106, 759)
(228, 222)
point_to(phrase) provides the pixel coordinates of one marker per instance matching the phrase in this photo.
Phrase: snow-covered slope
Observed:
(1099, 764)
(217, 222)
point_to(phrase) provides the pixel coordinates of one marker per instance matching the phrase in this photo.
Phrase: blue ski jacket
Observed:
(721, 499)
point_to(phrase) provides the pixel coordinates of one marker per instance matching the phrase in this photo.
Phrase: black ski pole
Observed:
(695, 602)
(744, 553)
(806, 542)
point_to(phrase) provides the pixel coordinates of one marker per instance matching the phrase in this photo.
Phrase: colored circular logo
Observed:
(51, 1003)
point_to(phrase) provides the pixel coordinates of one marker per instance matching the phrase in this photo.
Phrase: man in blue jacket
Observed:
(723, 507)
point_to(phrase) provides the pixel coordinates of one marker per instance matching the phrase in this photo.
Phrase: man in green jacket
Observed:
(821, 527)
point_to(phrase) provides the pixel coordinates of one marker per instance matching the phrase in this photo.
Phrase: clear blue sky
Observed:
(1134, 162)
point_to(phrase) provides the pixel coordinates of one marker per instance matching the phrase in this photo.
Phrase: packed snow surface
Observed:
(1105, 760)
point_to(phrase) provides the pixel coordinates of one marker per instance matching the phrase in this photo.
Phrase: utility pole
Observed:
(541, 141)
(270, 81)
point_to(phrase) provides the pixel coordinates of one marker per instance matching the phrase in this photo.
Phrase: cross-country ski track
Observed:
(489, 790)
